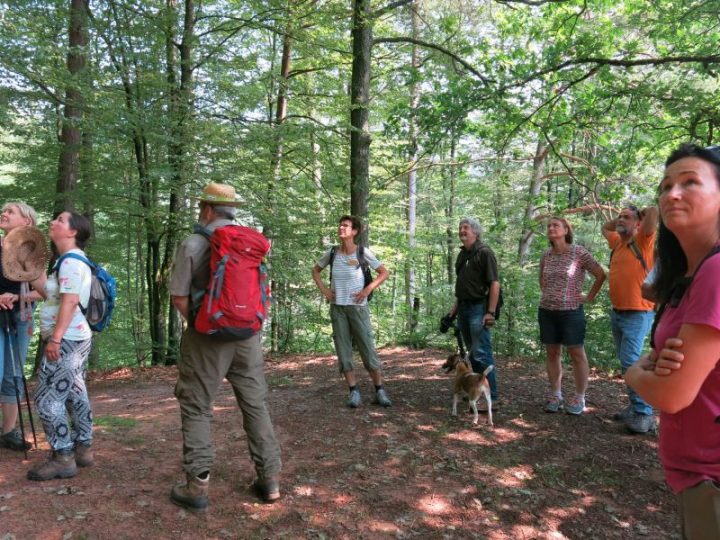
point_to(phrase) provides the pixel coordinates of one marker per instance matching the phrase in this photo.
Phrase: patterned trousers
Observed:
(61, 391)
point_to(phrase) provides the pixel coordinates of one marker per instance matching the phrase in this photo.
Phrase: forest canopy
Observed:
(410, 114)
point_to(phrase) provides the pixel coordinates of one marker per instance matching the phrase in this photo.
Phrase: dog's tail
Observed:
(488, 370)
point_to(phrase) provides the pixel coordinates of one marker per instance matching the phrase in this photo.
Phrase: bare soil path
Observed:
(410, 471)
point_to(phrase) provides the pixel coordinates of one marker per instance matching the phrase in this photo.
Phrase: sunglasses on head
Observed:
(634, 209)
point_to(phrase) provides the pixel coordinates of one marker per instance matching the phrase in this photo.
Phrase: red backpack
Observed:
(235, 303)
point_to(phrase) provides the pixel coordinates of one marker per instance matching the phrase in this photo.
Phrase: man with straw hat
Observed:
(23, 256)
(205, 360)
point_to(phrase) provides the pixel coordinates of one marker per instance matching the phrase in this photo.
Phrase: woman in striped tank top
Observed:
(561, 316)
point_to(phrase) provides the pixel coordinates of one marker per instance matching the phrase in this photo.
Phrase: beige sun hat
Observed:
(24, 254)
(221, 194)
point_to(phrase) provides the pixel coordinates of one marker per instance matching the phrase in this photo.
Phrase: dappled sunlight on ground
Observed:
(434, 504)
(409, 471)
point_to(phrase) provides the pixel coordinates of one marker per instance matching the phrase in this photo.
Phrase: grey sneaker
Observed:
(575, 405)
(554, 404)
(382, 399)
(623, 415)
(641, 423)
(354, 399)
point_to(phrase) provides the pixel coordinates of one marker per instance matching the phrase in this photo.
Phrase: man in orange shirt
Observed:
(631, 237)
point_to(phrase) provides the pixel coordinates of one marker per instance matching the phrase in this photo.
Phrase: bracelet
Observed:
(55, 341)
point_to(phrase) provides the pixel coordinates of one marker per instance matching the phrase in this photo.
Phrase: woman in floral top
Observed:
(561, 316)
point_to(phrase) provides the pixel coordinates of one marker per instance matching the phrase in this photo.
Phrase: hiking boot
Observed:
(641, 423)
(61, 464)
(624, 414)
(575, 405)
(554, 404)
(83, 455)
(193, 494)
(354, 399)
(382, 399)
(14, 441)
(268, 489)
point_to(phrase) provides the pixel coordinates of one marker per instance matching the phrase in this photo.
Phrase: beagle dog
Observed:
(469, 383)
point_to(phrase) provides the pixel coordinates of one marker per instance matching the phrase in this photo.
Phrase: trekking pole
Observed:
(8, 335)
(29, 409)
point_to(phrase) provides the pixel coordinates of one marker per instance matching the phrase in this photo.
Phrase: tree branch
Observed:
(443, 50)
(598, 62)
(389, 7)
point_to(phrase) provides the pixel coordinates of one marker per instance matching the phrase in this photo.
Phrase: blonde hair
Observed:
(25, 210)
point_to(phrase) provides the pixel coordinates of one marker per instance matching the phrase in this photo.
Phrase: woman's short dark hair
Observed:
(81, 225)
(566, 224)
(356, 223)
(711, 154)
(672, 262)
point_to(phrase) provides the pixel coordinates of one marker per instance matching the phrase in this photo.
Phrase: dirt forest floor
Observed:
(410, 471)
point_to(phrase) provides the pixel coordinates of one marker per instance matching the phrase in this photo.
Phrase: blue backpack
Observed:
(103, 291)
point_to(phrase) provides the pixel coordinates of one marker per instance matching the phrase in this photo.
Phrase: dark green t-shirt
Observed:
(476, 269)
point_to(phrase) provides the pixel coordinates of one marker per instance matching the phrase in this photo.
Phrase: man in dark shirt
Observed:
(477, 290)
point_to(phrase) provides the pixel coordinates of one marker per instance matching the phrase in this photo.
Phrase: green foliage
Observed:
(566, 75)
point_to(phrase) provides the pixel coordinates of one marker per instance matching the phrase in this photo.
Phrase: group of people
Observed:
(61, 397)
(669, 254)
(680, 376)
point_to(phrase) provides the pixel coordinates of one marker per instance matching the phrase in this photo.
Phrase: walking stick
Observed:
(27, 401)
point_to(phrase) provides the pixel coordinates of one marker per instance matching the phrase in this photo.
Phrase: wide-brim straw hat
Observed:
(24, 254)
(220, 194)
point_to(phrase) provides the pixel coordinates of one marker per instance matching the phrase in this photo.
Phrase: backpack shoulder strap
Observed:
(333, 250)
(75, 256)
(636, 251)
(361, 256)
(202, 231)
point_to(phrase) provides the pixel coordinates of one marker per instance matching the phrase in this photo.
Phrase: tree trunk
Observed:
(71, 134)
(280, 115)
(450, 182)
(359, 113)
(412, 303)
(182, 106)
(536, 181)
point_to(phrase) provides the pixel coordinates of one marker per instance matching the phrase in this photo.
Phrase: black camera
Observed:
(446, 323)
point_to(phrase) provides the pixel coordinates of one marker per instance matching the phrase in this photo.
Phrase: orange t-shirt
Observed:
(627, 273)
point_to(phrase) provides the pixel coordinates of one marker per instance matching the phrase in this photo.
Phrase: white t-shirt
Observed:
(347, 276)
(73, 277)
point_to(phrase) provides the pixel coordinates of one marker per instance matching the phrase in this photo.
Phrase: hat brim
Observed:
(218, 202)
(25, 254)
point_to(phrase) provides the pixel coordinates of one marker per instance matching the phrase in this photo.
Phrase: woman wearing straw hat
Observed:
(23, 256)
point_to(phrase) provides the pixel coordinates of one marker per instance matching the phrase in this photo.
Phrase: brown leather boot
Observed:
(84, 455)
(61, 464)
(192, 494)
(267, 488)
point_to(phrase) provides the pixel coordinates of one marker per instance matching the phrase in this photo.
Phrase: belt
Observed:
(629, 311)
(472, 302)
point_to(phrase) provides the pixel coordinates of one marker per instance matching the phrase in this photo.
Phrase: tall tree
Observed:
(71, 132)
(360, 112)
(182, 97)
(412, 301)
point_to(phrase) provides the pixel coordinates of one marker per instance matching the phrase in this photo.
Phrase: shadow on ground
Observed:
(410, 471)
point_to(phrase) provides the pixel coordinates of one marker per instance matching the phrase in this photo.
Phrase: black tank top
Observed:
(7, 285)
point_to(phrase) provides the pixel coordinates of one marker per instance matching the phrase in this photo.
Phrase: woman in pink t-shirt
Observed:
(561, 316)
(681, 375)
